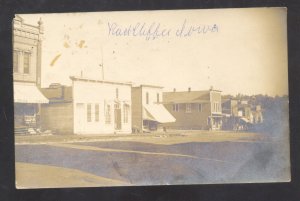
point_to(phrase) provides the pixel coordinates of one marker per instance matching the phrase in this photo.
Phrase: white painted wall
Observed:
(99, 93)
(152, 94)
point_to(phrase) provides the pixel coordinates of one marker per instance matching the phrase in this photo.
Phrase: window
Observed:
(157, 97)
(216, 107)
(188, 108)
(16, 61)
(107, 114)
(26, 62)
(147, 98)
(175, 107)
(89, 112)
(97, 112)
(126, 113)
(117, 106)
(117, 93)
(199, 107)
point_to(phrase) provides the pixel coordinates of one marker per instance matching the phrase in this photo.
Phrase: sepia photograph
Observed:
(162, 97)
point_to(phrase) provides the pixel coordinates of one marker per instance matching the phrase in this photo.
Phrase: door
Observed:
(80, 118)
(118, 123)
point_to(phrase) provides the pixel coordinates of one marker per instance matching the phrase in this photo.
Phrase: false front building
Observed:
(88, 107)
(194, 109)
(27, 43)
(241, 115)
(148, 112)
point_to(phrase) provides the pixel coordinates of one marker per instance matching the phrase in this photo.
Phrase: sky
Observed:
(243, 51)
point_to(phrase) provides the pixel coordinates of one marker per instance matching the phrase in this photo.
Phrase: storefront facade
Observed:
(27, 42)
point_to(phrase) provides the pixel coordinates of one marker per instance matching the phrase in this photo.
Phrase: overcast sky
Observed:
(244, 51)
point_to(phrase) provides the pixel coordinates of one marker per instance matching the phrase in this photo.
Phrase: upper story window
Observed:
(147, 98)
(188, 108)
(126, 113)
(26, 64)
(107, 114)
(157, 97)
(89, 112)
(199, 107)
(117, 93)
(97, 112)
(16, 61)
(175, 107)
(216, 107)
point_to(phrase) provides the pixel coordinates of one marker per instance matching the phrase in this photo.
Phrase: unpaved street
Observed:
(151, 159)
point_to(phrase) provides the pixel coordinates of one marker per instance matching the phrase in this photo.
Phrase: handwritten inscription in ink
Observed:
(155, 30)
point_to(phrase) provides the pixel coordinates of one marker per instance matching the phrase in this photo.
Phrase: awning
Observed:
(226, 115)
(157, 112)
(28, 93)
(245, 120)
(216, 115)
(148, 116)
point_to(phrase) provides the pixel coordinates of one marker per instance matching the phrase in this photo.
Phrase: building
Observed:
(88, 107)
(230, 107)
(241, 114)
(27, 44)
(194, 109)
(147, 111)
(257, 114)
(230, 113)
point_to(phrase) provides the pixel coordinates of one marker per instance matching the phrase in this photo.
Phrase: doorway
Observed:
(118, 121)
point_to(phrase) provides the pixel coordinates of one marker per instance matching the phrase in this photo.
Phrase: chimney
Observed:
(189, 89)
(174, 90)
(41, 26)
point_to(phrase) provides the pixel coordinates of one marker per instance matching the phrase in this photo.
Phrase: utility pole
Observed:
(102, 65)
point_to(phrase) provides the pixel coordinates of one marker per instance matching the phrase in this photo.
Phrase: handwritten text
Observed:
(156, 30)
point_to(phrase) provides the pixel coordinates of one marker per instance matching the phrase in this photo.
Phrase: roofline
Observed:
(57, 101)
(186, 91)
(62, 86)
(23, 22)
(74, 78)
(149, 85)
(215, 90)
(184, 102)
(193, 91)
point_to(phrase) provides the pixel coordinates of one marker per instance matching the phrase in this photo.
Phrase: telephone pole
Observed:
(102, 65)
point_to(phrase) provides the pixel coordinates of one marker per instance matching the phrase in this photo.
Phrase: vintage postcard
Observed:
(151, 98)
